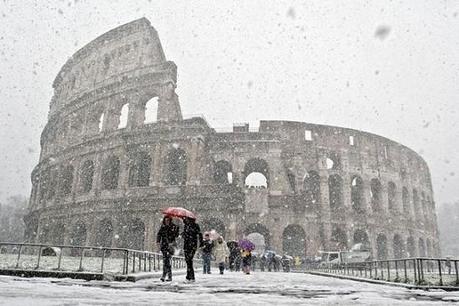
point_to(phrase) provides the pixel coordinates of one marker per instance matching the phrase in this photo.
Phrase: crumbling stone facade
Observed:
(116, 151)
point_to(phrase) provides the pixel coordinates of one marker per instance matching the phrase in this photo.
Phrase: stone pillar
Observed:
(123, 179)
(136, 115)
(325, 218)
(150, 239)
(194, 162)
(155, 172)
(168, 104)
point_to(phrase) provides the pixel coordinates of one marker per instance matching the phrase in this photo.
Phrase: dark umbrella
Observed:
(246, 244)
(178, 212)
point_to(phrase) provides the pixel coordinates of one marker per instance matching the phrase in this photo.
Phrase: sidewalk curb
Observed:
(147, 275)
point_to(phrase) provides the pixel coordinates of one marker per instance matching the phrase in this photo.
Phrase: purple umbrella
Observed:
(246, 244)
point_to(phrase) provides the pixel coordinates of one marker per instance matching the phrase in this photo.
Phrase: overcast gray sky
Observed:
(244, 61)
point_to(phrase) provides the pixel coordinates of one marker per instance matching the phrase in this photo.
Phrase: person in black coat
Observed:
(192, 238)
(165, 239)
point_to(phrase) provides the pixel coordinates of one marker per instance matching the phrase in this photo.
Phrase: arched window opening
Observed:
(422, 248)
(124, 116)
(256, 180)
(411, 247)
(66, 180)
(223, 173)
(391, 196)
(357, 198)
(256, 173)
(151, 111)
(100, 122)
(294, 241)
(311, 188)
(376, 194)
(258, 230)
(57, 233)
(398, 247)
(335, 191)
(338, 239)
(176, 165)
(333, 161)
(110, 173)
(406, 200)
(104, 233)
(134, 235)
(87, 176)
(360, 236)
(139, 171)
(78, 237)
(381, 245)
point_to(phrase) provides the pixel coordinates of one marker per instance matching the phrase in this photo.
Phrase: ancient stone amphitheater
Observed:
(116, 150)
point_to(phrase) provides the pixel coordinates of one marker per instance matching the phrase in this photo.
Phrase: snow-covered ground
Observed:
(233, 288)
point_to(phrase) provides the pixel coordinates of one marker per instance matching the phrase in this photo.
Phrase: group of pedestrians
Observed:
(192, 240)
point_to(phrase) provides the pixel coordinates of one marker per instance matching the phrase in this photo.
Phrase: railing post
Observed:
(19, 256)
(406, 274)
(39, 257)
(396, 269)
(415, 273)
(457, 273)
(133, 263)
(388, 270)
(421, 267)
(149, 262)
(102, 261)
(59, 261)
(371, 269)
(81, 260)
(439, 271)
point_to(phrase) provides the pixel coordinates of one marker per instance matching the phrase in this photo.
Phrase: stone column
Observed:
(325, 217)
(168, 104)
(136, 115)
(194, 163)
(155, 172)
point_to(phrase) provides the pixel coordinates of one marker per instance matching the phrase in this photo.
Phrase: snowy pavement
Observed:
(233, 288)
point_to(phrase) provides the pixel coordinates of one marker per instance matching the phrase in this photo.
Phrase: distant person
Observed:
(246, 255)
(165, 240)
(221, 253)
(192, 238)
(207, 248)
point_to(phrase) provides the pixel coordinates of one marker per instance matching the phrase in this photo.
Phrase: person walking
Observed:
(192, 238)
(246, 255)
(221, 253)
(165, 240)
(207, 247)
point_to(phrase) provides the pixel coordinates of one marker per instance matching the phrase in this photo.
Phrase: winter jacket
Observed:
(192, 236)
(207, 246)
(166, 236)
(221, 252)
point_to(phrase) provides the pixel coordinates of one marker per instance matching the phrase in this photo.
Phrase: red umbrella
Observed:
(178, 212)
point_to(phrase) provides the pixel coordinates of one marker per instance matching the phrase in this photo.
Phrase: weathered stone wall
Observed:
(99, 183)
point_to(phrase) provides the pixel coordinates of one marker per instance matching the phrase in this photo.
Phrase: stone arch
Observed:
(392, 196)
(213, 224)
(361, 236)
(110, 173)
(66, 179)
(294, 240)
(57, 233)
(151, 111)
(381, 247)
(87, 176)
(223, 173)
(104, 233)
(376, 194)
(176, 167)
(398, 247)
(335, 191)
(134, 234)
(333, 161)
(357, 194)
(124, 114)
(139, 170)
(338, 238)
(311, 188)
(255, 169)
(421, 248)
(411, 247)
(260, 229)
(406, 200)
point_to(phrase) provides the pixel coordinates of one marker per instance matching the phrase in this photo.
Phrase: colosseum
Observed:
(116, 151)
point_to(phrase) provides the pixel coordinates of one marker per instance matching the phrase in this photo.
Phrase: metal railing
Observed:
(417, 271)
(48, 257)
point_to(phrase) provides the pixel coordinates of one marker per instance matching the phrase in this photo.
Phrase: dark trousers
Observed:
(221, 266)
(189, 254)
(206, 257)
(167, 269)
